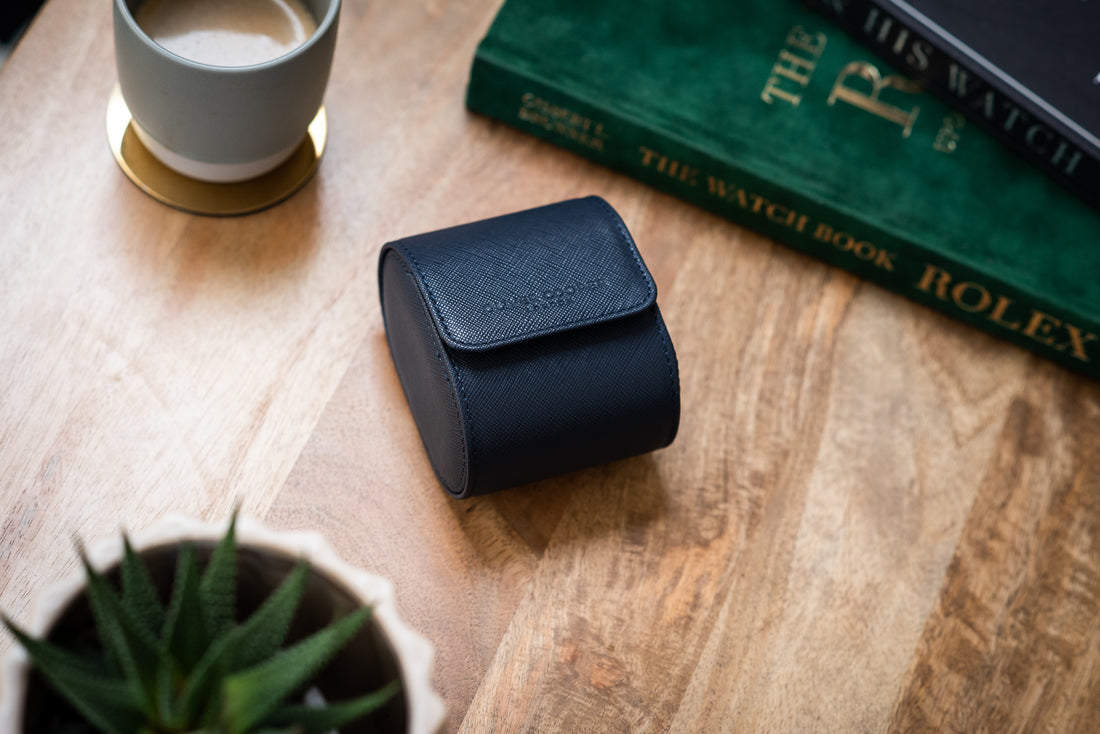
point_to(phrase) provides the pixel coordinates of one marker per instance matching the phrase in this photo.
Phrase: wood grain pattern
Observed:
(873, 519)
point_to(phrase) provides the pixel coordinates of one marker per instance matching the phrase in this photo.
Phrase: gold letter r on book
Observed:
(870, 102)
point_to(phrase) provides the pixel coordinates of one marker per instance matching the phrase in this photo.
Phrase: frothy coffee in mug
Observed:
(227, 32)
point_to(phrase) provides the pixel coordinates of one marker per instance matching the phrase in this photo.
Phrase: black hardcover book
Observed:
(1027, 71)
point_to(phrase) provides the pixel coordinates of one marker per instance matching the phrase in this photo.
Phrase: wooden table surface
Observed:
(873, 518)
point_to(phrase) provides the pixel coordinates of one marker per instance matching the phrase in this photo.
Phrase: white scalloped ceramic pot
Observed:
(387, 647)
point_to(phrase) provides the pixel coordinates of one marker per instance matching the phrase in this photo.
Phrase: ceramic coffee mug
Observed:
(222, 123)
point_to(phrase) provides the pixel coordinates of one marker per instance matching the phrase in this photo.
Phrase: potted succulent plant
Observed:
(193, 630)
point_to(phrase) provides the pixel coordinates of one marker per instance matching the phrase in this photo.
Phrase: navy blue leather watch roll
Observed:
(529, 345)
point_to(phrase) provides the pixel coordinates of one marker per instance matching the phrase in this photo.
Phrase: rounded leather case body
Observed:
(529, 345)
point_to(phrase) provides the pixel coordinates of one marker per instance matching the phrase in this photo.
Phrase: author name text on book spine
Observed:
(562, 121)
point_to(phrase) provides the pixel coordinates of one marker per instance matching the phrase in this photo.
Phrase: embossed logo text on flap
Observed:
(545, 298)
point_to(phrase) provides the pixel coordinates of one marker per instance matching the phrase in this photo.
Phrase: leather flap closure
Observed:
(524, 275)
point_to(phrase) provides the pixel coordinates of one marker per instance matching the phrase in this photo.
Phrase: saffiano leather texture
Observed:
(529, 345)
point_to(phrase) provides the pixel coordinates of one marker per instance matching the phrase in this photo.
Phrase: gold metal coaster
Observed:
(203, 197)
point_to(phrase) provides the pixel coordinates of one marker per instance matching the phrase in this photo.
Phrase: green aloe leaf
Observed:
(252, 695)
(218, 589)
(255, 640)
(139, 593)
(124, 639)
(107, 703)
(199, 699)
(169, 680)
(321, 719)
(262, 634)
(185, 635)
(184, 639)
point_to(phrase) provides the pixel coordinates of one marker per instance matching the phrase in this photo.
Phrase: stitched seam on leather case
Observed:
(626, 241)
(666, 343)
(436, 311)
(631, 247)
(468, 419)
(468, 438)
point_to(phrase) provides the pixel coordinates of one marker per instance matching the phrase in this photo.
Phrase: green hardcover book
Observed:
(766, 114)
